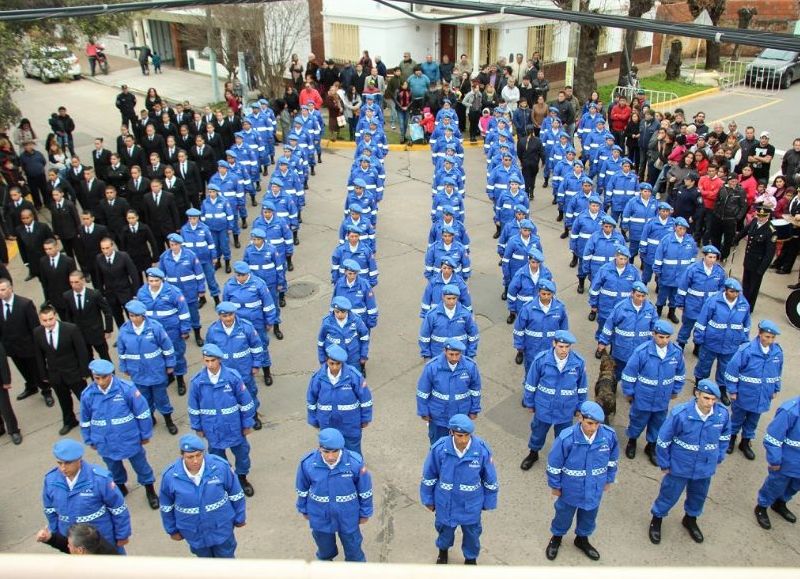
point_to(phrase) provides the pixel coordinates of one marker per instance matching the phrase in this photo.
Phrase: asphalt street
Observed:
(395, 444)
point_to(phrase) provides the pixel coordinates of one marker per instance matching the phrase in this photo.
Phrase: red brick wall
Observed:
(556, 71)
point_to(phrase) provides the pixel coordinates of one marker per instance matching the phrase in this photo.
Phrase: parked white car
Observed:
(52, 63)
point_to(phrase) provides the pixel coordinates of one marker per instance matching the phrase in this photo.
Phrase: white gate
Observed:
(654, 97)
(738, 74)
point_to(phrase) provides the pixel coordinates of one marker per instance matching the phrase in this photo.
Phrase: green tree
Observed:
(11, 49)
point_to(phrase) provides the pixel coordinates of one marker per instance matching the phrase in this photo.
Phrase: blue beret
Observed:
(733, 284)
(592, 105)
(370, 96)
(175, 237)
(609, 136)
(454, 344)
(227, 307)
(769, 326)
(592, 410)
(626, 160)
(711, 249)
(336, 353)
(353, 228)
(359, 183)
(586, 179)
(547, 284)
(526, 224)
(293, 137)
(521, 209)
(448, 229)
(564, 337)
(155, 272)
(448, 127)
(515, 179)
(239, 134)
(276, 181)
(331, 439)
(298, 120)
(136, 308)
(212, 351)
(680, 221)
(223, 164)
(449, 181)
(67, 450)
(283, 161)
(638, 286)
(451, 290)
(192, 212)
(241, 267)
(649, 187)
(447, 261)
(342, 303)
(231, 153)
(600, 121)
(536, 255)
(263, 101)
(577, 164)
(506, 155)
(623, 250)
(553, 110)
(594, 199)
(448, 210)
(563, 135)
(258, 232)
(351, 265)
(101, 367)
(254, 105)
(615, 147)
(363, 157)
(267, 205)
(708, 386)
(663, 204)
(608, 220)
(461, 423)
(212, 187)
(355, 208)
(191, 443)
(663, 327)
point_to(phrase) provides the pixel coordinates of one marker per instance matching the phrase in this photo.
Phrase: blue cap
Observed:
(254, 105)
(515, 179)
(461, 423)
(258, 232)
(608, 220)
(506, 155)
(623, 250)
(536, 255)
(663, 327)
(359, 182)
(276, 181)
(355, 208)
(594, 199)
(267, 205)
(577, 163)
(640, 287)
(519, 208)
(680, 221)
(663, 204)
(298, 120)
(191, 443)
(600, 121)
(212, 351)
(283, 161)
(330, 438)
(711, 249)
(239, 134)
(448, 210)
(353, 228)
(733, 284)
(263, 101)
(136, 308)
(449, 181)
(526, 224)
(570, 150)
(448, 229)
(101, 367)
(342, 303)
(615, 147)
(649, 187)
(450, 159)
(241, 267)
(227, 307)
(231, 153)
(625, 160)
(769, 326)
(708, 386)
(212, 187)
(454, 344)
(363, 157)
(609, 136)
(351, 265)
(592, 410)
(336, 353)
(448, 127)
(565, 337)
(223, 164)
(155, 272)
(451, 290)
(547, 284)
(67, 450)
(447, 260)
(192, 212)
(175, 237)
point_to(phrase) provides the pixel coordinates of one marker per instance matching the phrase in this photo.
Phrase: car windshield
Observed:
(774, 54)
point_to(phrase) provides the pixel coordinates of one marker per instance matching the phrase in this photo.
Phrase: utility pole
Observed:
(574, 41)
(212, 57)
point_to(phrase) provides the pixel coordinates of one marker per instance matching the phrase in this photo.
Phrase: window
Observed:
(467, 43)
(344, 42)
(488, 47)
(604, 41)
(540, 39)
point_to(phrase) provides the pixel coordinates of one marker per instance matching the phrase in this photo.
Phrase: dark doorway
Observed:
(447, 41)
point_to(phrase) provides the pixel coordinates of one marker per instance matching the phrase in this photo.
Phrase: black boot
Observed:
(319, 157)
(470, 561)
(257, 424)
(289, 262)
(545, 183)
(299, 216)
(295, 238)
(504, 295)
(518, 358)
(216, 300)
(655, 530)
(581, 285)
(731, 445)
(171, 428)
(574, 261)
(650, 451)
(313, 171)
(560, 215)
(197, 338)
(746, 449)
(496, 232)
(511, 317)
(630, 448)
(659, 310)
(724, 396)
(244, 222)
(123, 489)
(152, 497)
(277, 330)
(442, 558)
(672, 317)
(592, 315)
(282, 299)
(201, 302)
(253, 201)
(217, 265)
(181, 385)
(227, 266)
(694, 531)
(551, 552)
(780, 508)
(529, 460)
(584, 545)
(696, 351)
(564, 234)
(762, 517)
(246, 486)
(363, 370)
(267, 376)
(236, 243)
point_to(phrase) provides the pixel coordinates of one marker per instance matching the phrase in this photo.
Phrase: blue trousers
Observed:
(601, 321)
(539, 431)
(633, 244)
(671, 490)
(647, 272)
(666, 292)
(211, 279)
(224, 550)
(252, 388)
(353, 443)
(777, 487)
(157, 397)
(144, 472)
(194, 314)
(584, 526)
(435, 432)
(743, 420)
(221, 240)
(351, 543)
(687, 326)
(273, 292)
(470, 541)
(638, 420)
(619, 366)
(180, 352)
(616, 215)
(703, 367)
(241, 453)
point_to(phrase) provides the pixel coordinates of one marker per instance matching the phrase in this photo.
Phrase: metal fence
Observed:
(737, 74)
(654, 97)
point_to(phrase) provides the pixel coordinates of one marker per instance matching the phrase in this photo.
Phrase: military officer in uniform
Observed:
(761, 238)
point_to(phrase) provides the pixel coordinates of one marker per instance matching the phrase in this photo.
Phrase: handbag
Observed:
(341, 121)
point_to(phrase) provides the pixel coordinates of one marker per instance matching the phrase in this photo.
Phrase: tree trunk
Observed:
(745, 17)
(673, 70)
(636, 9)
(585, 81)
(715, 9)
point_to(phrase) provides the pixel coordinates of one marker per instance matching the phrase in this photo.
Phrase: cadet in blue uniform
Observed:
(219, 216)
(436, 284)
(782, 443)
(79, 492)
(524, 285)
(675, 252)
(222, 411)
(338, 397)
(183, 270)
(753, 379)
(638, 211)
(201, 501)
(449, 319)
(334, 494)
(612, 284)
(652, 234)
(538, 322)
(699, 282)
(600, 249)
(254, 300)
(515, 255)
(691, 443)
(447, 246)
(654, 375)
(450, 384)
(265, 262)
(357, 289)
(459, 482)
(346, 329)
(197, 237)
(581, 466)
(358, 251)
(555, 386)
(147, 355)
(116, 422)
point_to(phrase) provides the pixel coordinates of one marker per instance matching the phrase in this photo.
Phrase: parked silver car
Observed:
(51, 63)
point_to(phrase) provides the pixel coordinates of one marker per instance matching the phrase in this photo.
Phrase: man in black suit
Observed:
(136, 189)
(8, 420)
(89, 310)
(185, 139)
(75, 173)
(112, 212)
(193, 182)
(174, 186)
(203, 155)
(88, 246)
(62, 358)
(54, 270)
(171, 152)
(15, 205)
(31, 236)
(161, 213)
(214, 141)
(65, 220)
(197, 126)
(101, 157)
(117, 278)
(54, 181)
(166, 127)
(123, 132)
(152, 142)
(92, 190)
(132, 155)
(138, 242)
(155, 170)
(18, 320)
(140, 127)
(117, 175)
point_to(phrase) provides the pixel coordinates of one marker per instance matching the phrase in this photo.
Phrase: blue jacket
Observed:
(361, 297)
(368, 235)
(505, 203)
(459, 488)
(755, 377)
(373, 189)
(457, 252)
(586, 125)
(186, 273)
(432, 296)
(600, 250)
(285, 207)
(652, 234)
(292, 185)
(418, 85)
(431, 70)
(169, 308)
(534, 329)
(636, 215)
(460, 236)
(627, 187)
(334, 499)
(689, 447)
(673, 257)
(568, 187)
(560, 170)
(497, 180)
(94, 499)
(442, 393)
(146, 356)
(555, 396)
(509, 230)
(441, 199)
(609, 287)
(229, 187)
(574, 206)
(278, 234)
(782, 439)
(695, 287)
(255, 301)
(346, 405)
(456, 173)
(515, 255)
(242, 173)
(218, 214)
(440, 144)
(220, 411)
(362, 255)
(115, 423)
(265, 263)
(247, 158)
(582, 230)
(353, 338)
(523, 289)
(720, 328)
(367, 200)
(625, 328)
(651, 381)
(581, 469)
(205, 515)
(242, 349)
(437, 327)
(200, 241)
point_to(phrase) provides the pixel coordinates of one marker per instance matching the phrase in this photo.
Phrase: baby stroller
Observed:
(416, 131)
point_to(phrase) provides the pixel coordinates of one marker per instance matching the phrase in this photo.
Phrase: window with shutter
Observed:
(540, 39)
(344, 42)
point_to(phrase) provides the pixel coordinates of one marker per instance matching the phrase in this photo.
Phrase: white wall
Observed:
(203, 65)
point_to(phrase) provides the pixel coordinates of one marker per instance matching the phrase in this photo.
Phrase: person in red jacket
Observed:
(709, 186)
(748, 184)
(310, 95)
(619, 115)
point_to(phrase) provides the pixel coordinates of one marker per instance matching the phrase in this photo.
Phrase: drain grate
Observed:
(301, 290)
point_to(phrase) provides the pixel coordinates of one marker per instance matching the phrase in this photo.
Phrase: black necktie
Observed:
(50, 338)
(108, 259)
(80, 302)
(53, 262)
(8, 310)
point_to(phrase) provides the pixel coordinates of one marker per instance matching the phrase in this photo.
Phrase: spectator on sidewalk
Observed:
(144, 55)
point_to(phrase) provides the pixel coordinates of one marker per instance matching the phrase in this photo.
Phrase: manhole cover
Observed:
(301, 289)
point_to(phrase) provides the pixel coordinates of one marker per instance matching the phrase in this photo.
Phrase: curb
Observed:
(690, 97)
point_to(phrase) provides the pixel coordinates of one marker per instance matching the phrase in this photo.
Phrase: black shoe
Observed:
(581, 283)
(236, 243)
(201, 302)
(592, 317)
(48, 399)
(694, 531)
(574, 261)
(171, 379)
(441, 559)
(731, 445)
(267, 376)
(277, 330)
(64, 430)
(518, 358)
(216, 300)
(724, 397)
(181, 386)
(244, 223)
(16, 438)
(363, 370)
(295, 238)
(2, 429)
(696, 351)
(30, 277)
(153, 416)
(530, 195)
(313, 172)
(470, 561)
(794, 286)
(655, 530)
(171, 428)
(544, 184)
(246, 486)
(282, 300)
(253, 201)
(197, 338)
(290, 262)
(551, 552)
(762, 517)
(504, 295)
(529, 460)
(511, 317)
(123, 489)
(257, 425)
(630, 448)
(672, 317)
(650, 451)
(584, 545)
(27, 393)
(227, 266)
(780, 508)
(152, 497)
(746, 449)
(564, 235)
(783, 272)
(560, 216)
(497, 232)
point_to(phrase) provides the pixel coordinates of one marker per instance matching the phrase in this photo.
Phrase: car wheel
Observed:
(787, 79)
